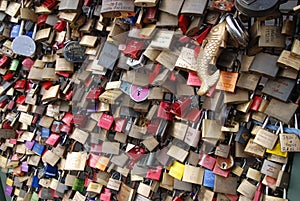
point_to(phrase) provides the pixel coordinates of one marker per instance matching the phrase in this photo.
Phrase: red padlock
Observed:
(150, 15)
(4, 62)
(69, 95)
(256, 103)
(134, 49)
(20, 84)
(136, 152)
(184, 39)
(94, 93)
(154, 173)
(184, 22)
(21, 99)
(49, 4)
(46, 85)
(58, 45)
(207, 161)
(60, 25)
(154, 73)
(41, 20)
(11, 103)
(3, 104)
(68, 119)
(87, 2)
(164, 111)
(173, 76)
(106, 121)
(232, 197)
(119, 124)
(178, 198)
(180, 106)
(193, 115)
(199, 38)
(93, 159)
(6, 125)
(53, 140)
(106, 196)
(258, 192)
(63, 74)
(28, 63)
(8, 76)
(65, 128)
(53, 193)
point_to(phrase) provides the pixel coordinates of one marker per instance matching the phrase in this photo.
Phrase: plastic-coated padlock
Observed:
(35, 180)
(49, 4)
(60, 25)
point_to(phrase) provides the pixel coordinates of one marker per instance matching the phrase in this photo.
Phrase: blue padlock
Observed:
(35, 180)
(45, 132)
(209, 178)
(50, 171)
(29, 34)
(129, 20)
(38, 148)
(14, 32)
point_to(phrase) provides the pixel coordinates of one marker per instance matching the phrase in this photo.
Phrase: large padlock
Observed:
(24, 45)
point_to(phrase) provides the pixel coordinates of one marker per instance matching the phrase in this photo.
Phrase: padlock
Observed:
(262, 60)
(263, 134)
(18, 46)
(211, 128)
(193, 174)
(279, 88)
(134, 49)
(228, 80)
(78, 184)
(192, 135)
(113, 182)
(35, 180)
(267, 197)
(145, 189)
(243, 134)
(180, 106)
(180, 197)
(224, 150)
(247, 189)
(283, 178)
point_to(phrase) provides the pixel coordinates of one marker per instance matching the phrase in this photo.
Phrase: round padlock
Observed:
(138, 93)
(73, 52)
(225, 163)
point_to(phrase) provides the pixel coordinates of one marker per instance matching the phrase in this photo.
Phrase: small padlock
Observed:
(114, 182)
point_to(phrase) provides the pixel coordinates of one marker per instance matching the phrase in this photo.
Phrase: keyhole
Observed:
(139, 93)
(224, 165)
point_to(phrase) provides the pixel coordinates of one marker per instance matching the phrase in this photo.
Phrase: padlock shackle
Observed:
(21, 28)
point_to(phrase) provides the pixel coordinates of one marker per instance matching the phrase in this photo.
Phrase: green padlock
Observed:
(14, 65)
(34, 197)
(78, 185)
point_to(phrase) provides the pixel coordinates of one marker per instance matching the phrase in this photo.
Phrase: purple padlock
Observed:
(24, 167)
(29, 144)
(9, 190)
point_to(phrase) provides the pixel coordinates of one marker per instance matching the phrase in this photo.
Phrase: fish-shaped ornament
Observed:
(209, 51)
